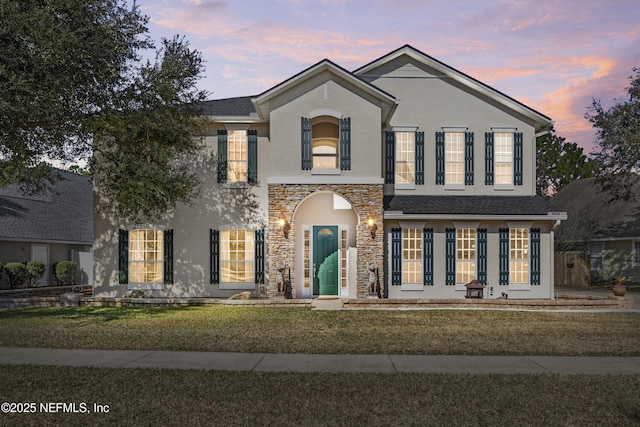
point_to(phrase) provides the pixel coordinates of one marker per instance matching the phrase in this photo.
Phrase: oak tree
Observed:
(618, 141)
(73, 85)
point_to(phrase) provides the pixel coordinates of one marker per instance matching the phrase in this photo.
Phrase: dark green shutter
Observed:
(345, 144)
(307, 149)
(468, 158)
(123, 256)
(252, 156)
(482, 255)
(222, 155)
(259, 256)
(396, 256)
(168, 257)
(535, 255)
(451, 256)
(419, 158)
(439, 158)
(488, 158)
(427, 255)
(390, 149)
(504, 256)
(517, 158)
(214, 255)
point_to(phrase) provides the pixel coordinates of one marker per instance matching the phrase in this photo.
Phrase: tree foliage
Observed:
(558, 163)
(72, 84)
(618, 142)
(17, 273)
(36, 270)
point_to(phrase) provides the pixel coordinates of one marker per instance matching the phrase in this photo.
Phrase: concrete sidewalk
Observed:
(327, 363)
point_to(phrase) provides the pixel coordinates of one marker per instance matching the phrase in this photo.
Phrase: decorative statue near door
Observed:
(373, 284)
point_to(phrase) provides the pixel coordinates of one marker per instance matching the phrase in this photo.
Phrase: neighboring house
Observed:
(608, 232)
(405, 172)
(56, 225)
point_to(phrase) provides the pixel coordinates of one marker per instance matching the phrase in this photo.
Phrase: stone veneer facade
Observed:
(366, 200)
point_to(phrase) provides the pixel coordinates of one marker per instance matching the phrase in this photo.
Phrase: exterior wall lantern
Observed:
(475, 289)
(373, 227)
(284, 224)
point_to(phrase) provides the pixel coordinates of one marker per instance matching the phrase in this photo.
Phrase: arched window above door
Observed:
(325, 142)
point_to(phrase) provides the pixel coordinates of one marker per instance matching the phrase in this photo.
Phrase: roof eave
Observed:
(541, 121)
(552, 216)
(261, 102)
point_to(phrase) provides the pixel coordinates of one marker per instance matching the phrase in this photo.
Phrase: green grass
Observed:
(145, 397)
(300, 330)
(149, 397)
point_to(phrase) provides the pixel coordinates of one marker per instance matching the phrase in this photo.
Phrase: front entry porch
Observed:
(328, 247)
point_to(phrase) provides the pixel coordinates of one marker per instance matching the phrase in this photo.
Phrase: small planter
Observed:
(619, 290)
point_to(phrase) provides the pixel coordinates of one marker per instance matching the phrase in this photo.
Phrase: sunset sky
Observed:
(552, 55)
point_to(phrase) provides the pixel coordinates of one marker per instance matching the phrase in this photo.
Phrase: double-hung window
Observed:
(237, 158)
(520, 257)
(237, 256)
(405, 158)
(145, 258)
(503, 163)
(504, 159)
(454, 158)
(465, 255)
(412, 256)
(326, 144)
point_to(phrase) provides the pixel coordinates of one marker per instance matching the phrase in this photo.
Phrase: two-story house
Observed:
(404, 173)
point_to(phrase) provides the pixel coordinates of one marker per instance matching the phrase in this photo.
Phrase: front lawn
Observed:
(147, 397)
(300, 330)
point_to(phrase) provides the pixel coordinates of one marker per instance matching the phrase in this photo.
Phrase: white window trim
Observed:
(471, 226)
(145, 285)
(245, 148)
(405, 185)
(510, 185)
(317, 171)
(412, 286)
(521, 286)
(461, 163)
(454, 187)
(236, 285)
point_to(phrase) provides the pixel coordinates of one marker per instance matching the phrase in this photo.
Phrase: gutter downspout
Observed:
(552, 263)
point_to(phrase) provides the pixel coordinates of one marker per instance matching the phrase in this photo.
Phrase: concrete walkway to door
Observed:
(327, 363)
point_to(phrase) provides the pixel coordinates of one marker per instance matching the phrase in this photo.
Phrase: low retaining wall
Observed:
(146, 302)
(563, 302)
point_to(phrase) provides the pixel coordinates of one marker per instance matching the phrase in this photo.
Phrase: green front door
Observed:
(325, 260)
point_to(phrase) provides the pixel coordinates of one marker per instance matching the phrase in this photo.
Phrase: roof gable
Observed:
(413, 60)
(386, 101)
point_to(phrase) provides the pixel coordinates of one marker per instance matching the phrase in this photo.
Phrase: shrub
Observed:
(36, 270)
(66, 272)
(17, 273)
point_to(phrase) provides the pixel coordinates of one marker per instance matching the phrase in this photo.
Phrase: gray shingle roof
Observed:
(64, 213)
(588, 206)
(241, 106)
(469, 205)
